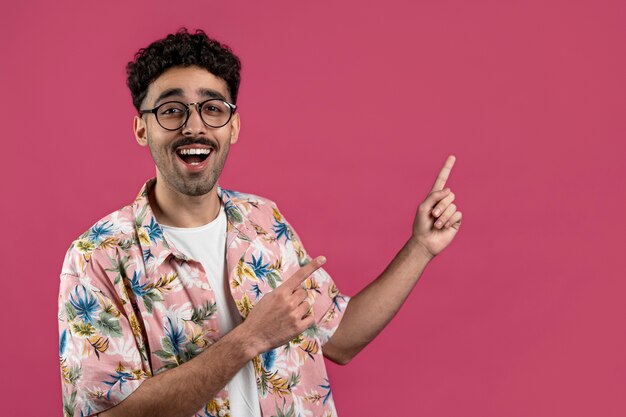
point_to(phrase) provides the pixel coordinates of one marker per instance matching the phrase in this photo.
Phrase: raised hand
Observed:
(283, 313)
(437, 219)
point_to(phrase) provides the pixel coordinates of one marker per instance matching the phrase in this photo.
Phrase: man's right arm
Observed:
(277, 318)
(184, 390)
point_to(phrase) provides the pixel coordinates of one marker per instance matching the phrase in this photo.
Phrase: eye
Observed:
(213, 108)
(171, 109)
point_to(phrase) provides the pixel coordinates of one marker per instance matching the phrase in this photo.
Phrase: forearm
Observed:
(184, 390)
(372, 308)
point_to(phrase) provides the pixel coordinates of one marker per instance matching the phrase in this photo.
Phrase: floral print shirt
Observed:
(131, 306)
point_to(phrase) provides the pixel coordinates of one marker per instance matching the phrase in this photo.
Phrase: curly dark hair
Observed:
(182, 49)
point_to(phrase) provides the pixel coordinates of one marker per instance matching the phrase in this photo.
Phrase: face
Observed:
(188, 160)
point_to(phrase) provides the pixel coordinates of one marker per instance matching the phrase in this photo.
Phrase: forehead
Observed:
(191, 83)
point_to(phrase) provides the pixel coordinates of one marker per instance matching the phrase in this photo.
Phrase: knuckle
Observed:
(304, 324)
(303, 308)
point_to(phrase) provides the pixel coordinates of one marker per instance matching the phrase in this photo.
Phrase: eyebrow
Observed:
(173, 92)
(207, 92)
(170, 92)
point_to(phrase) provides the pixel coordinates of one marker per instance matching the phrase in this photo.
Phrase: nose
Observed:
(194, 124)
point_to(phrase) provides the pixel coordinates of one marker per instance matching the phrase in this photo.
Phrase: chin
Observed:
(195, 188)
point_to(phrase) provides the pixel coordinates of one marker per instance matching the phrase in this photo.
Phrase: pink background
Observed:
(348, 111)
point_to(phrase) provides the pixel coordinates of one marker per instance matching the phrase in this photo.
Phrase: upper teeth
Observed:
(194, 151)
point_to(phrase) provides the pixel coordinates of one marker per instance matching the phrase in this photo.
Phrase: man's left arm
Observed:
(436, 223)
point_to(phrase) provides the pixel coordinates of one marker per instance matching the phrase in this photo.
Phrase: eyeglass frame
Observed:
(198, 105)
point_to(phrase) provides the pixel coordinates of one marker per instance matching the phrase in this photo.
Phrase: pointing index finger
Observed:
(440, 182)
(303, 273)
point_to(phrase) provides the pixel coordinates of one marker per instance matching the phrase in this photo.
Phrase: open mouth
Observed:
(193, 156)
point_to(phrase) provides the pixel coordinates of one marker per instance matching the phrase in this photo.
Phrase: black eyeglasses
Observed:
(173, 115)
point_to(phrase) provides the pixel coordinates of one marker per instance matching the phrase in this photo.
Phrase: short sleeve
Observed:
(100, 357)
(330, 304)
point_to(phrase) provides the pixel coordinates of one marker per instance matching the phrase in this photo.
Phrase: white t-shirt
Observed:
(207, 244)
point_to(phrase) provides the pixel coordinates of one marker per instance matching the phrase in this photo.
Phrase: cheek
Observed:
(157, 150)
(225, 148)
(158, 144)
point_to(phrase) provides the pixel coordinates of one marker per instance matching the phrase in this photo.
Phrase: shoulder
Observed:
(252, 206)
(114, 231)
(262, 212)
(239, 197)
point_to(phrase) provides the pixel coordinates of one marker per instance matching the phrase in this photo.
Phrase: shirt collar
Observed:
(150, 233)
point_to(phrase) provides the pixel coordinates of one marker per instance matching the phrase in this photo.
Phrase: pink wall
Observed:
(348, 112)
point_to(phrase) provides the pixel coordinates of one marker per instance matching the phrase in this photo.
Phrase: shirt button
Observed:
(204, 286)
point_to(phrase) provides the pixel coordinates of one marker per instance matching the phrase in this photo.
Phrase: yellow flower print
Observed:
(300, 253)
(313, 397)
(100, 344)
(244, 271)
(330, 315)
(83, 329)
(85, 245)
(279, 385)
(197, 339)
(134, 326)
(236, 282)
(256, 363)
(244, 305)
(109, 242)
(333, 291)
(278, 264)
(97, 393)
(65, 371)
(311, 284)
(277, 216)
(138, 374)
(163, 284)
(310, 347)
(144, 237)
(108, 307)
(212, 407)
(259, 230)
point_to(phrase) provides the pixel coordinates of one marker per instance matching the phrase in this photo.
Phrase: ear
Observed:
(235, 125)
(141, 131)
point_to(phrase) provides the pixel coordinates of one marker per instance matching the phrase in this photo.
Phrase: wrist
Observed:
(420, 249)
(248, 339)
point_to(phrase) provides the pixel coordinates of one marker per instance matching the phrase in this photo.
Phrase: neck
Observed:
(171, 208)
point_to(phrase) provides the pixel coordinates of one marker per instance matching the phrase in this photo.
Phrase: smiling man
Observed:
(196, 300)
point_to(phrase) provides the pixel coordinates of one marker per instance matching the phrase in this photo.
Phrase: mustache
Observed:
(186, 141)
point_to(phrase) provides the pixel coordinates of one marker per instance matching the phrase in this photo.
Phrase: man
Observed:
(196, 299)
